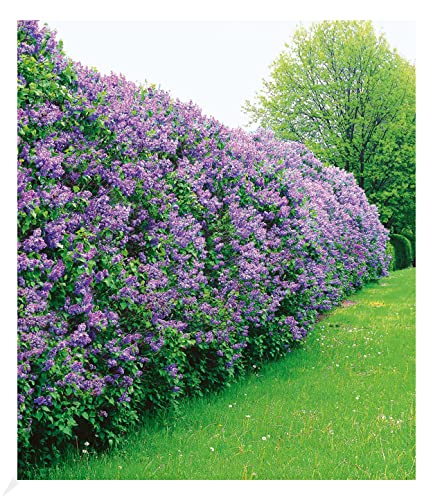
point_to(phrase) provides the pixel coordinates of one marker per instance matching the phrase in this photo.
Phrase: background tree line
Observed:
(339, 88)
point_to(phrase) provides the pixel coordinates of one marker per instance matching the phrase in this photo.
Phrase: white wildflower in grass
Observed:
(247, 416)
(263, 438)
(212, 449)
(230, 406)
(357, 397)
(86, 443)
(85, 451)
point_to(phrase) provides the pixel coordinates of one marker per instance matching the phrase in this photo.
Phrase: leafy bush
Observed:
(410, 235)
(390, 252)
(403, 251)
(161, 253)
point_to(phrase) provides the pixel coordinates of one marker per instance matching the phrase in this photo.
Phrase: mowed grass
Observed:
(342, 406)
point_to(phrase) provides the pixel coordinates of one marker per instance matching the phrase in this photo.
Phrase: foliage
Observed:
(390, 251)
(341, 89)
(410, 235)
(342, 406)
(159, 252)
(403, 251)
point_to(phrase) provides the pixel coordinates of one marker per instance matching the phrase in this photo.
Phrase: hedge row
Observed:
(390, 251)
(403, 254)
(160, 253)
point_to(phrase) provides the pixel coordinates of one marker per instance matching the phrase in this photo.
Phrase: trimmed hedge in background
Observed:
(161, 253)
(403, 251)
(412, 238)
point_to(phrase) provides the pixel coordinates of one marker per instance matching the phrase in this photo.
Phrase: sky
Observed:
(217, 65)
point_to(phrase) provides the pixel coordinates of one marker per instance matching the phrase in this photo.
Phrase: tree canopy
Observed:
(339, 88)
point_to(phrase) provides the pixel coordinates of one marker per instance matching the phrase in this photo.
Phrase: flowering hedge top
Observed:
(160, 251)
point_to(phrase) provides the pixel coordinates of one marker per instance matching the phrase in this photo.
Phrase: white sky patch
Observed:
(216, 64)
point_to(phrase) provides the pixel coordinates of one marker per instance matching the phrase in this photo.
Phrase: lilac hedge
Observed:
(161, 253)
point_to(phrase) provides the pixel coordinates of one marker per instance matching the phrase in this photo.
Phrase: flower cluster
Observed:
(161, 253)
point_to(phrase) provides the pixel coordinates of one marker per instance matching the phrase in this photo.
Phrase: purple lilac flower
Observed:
(42, 400)
(164, 222)
(124, 398)
(79, 337)
(172, 370)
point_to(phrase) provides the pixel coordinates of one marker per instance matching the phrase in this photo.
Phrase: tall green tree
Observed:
(339, 88)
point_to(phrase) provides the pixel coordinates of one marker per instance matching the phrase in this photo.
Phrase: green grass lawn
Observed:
(340, 407)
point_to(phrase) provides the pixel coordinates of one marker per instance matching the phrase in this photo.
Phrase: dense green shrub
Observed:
(403, 251)
(390, 252)
(410, 235)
